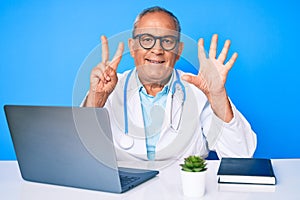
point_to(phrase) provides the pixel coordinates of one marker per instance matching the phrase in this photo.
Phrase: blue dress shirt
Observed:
(153, 109)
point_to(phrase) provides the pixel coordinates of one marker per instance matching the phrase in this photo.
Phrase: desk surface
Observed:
(167, 185)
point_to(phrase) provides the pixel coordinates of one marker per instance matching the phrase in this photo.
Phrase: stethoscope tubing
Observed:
(125, 96)
(125, 102)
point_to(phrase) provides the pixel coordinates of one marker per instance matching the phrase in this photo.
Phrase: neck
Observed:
(153, 88)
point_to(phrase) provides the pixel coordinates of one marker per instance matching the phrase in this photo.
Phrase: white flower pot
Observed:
(193, 183)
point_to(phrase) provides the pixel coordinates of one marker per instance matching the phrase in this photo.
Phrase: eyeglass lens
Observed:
(147, 41)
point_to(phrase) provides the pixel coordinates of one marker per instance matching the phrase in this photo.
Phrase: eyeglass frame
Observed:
(155, 38)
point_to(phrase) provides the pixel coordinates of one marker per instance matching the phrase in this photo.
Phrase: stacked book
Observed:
(246, 171)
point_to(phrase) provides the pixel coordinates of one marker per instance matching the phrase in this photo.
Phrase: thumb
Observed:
(190, 79)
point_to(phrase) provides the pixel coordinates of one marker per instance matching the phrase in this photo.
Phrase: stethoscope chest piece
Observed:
(126, 142)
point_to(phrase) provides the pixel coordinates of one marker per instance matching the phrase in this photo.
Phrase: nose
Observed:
(157, 49)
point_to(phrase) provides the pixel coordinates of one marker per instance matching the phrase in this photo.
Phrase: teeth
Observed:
(155, 62)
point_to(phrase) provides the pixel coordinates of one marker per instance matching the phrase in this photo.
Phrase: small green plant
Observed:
(194, 164)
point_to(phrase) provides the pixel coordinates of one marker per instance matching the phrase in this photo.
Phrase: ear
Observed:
(131, 46)
(180, 49)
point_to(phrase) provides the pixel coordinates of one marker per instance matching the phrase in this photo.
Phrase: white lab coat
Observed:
(200, 129)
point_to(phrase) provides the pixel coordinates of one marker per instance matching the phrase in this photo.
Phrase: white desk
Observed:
(166, 186)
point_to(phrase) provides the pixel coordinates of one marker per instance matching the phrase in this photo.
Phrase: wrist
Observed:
(221, 106)
(96, 99)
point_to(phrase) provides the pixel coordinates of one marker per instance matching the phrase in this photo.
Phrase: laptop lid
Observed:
(68, 146)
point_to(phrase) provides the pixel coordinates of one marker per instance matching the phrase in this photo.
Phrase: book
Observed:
(247, 171)
(237, 187)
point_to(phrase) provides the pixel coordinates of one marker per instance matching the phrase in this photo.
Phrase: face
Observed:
(155, 65)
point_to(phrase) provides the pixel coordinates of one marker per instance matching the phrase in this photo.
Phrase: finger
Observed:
(96, 73)
(99, 87)
(118, 56)
(201, 51)
(102, 78)
(110, 74)
(101, 66)
(105, 51)
(190, 79)
(213, 46)
(224, 52)
(230, 62)
(106, 76)
(94, 79)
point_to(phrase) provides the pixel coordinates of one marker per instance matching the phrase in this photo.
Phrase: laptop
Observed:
(69, 146)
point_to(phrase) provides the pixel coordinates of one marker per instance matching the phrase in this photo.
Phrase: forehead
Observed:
(157, 23)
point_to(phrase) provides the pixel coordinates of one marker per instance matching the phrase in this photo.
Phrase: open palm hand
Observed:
(213, 71)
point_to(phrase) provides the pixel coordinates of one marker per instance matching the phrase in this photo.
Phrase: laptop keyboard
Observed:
(125, 180)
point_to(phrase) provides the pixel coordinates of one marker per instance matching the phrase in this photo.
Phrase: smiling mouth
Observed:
(155, 61)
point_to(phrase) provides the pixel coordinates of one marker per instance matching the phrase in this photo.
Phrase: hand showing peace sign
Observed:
(212, 76)
(103, 78)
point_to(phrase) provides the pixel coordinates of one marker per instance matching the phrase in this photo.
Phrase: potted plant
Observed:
(193, 173)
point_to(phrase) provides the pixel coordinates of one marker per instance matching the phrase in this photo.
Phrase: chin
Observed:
(154, 74)
(156, 68)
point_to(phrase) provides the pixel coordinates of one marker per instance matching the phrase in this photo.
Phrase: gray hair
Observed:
(153, 10)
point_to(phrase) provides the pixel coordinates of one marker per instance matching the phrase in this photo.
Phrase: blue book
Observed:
(247, 171)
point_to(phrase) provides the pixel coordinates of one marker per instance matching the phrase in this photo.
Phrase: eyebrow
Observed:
(145, 33)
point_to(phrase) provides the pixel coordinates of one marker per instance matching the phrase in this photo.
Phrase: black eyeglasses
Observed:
(147, 41)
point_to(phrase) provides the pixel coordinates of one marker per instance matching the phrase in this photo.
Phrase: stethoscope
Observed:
(126, 141)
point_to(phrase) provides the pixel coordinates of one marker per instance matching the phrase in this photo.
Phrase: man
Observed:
(159, 113)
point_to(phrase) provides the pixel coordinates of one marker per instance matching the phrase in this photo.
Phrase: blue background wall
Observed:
(43, 45)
